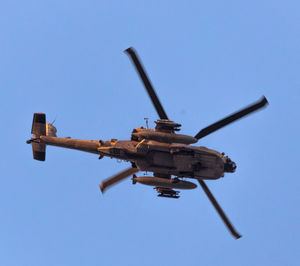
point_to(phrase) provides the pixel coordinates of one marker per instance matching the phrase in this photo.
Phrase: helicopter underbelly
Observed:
(198, 164)
(162, 159)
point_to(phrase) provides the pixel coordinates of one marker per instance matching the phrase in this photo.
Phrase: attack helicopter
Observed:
(161, 151)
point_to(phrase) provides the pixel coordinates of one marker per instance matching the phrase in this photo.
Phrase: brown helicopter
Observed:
(167, 154)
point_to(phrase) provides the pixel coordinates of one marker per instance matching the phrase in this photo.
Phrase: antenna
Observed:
(146, 119)
(53, 121)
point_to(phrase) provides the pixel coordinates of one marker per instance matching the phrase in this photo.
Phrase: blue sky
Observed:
(206, 59)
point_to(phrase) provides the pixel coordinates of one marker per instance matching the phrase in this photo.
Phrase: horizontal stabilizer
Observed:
(38, 129)
(39, 125)
(39, 151)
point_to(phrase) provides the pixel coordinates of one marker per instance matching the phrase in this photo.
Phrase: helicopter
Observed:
(161, 151)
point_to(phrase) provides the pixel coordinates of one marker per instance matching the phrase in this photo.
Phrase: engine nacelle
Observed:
(141, 133)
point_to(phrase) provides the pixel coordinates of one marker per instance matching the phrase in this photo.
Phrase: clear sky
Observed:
(206, 60)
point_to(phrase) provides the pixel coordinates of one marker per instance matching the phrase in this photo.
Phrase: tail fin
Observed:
(39, 129)
(50, 130)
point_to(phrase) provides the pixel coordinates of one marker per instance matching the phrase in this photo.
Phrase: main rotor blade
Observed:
(231, 118)
(219, 210)
(117, 178)
(159, 109)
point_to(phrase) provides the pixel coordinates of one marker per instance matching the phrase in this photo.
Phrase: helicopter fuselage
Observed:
(178, 159)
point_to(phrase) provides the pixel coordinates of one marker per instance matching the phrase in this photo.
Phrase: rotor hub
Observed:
(166, 125)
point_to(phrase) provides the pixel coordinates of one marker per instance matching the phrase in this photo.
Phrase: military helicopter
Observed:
(167, 154)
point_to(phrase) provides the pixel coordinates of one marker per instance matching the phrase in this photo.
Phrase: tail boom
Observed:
(45, 134)
(76, 144)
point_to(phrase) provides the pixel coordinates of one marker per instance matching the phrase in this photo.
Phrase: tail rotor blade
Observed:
(159, 109)
(117, 178)
(231, 118)
(219, 210)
